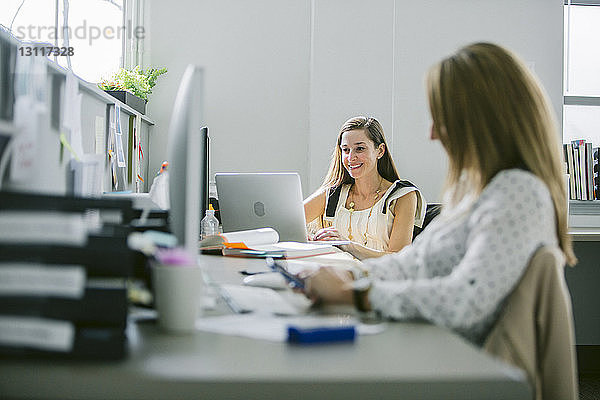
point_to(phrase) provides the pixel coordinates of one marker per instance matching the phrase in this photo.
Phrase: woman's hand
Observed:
(329, 233)
(329, 285)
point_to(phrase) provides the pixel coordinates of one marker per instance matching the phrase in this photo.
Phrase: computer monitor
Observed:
(188, 160)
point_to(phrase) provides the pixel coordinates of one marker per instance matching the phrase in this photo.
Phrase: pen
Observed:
(232, 303)
(294, 281)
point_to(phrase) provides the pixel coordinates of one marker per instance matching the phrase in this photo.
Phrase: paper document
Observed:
(99, 135)
(119, 138)
(272, 328)
(256, 299)
(332, 242)
(262, 243)
(87, 180)
(241, 239)
(31, 117)
(72, 114)
(295, 266)
(25, 146)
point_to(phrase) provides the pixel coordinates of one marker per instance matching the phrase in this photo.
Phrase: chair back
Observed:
(535, 328)
(431, 211)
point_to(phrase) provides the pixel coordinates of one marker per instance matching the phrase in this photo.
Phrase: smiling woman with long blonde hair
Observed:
(362, 198)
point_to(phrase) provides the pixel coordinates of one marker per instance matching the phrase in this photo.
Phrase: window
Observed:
(582, 71)
(98, 31)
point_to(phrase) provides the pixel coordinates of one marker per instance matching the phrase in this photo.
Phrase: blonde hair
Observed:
(491, 114)
(338, 175)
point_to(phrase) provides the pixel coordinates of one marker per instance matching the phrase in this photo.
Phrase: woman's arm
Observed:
(314, 205)
(499, 236)
(404, 222)
(401, 234)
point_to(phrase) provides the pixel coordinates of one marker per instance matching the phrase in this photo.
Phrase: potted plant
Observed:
(132, 87)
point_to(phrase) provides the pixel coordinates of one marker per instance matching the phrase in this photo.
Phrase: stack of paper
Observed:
(263, 243)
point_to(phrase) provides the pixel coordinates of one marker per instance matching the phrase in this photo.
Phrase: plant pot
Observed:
(131, 100)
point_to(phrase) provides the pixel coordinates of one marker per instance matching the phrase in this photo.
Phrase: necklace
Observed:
(351, 209)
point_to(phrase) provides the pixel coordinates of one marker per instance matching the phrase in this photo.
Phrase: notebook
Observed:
(262, 200)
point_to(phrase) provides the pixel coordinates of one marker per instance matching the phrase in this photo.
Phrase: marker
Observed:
(324, 334)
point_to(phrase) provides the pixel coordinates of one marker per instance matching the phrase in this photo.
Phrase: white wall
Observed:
(428, 30)
(282, 76)
(255, 55)
(351, 72)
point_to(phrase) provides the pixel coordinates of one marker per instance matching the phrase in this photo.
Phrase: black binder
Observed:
(89, 343)
(42, 202)
(99, 306)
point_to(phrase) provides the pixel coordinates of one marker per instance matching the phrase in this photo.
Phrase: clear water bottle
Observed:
(209, 224)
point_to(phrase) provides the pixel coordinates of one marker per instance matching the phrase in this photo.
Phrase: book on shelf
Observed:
(582, 167)
(596, 171)
(589, 171)
(261, 243)
(568, 149)
(577, 173)
(579, 149)
(579, 157)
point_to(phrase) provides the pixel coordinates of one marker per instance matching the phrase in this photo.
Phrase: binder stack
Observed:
(64, 264)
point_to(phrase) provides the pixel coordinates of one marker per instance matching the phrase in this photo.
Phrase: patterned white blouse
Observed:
(462, 266)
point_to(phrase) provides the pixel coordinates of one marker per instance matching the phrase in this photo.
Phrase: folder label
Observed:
(33, 279)
(39, 333)
(42, 227)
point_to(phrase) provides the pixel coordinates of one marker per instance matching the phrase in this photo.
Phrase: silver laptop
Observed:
(262, 200)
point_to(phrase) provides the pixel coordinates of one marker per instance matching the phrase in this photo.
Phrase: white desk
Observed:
(407, 361)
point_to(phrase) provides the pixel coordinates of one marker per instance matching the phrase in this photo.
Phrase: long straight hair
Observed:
(338, 175)
(491, 114)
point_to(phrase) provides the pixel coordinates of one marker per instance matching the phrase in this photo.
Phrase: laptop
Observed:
(262, 200)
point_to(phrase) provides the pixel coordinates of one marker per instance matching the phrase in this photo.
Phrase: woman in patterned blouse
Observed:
(505, 197)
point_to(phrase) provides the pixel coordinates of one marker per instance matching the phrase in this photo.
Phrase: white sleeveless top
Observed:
(372, 227)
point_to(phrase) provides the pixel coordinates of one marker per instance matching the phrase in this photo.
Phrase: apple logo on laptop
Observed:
(259, 209)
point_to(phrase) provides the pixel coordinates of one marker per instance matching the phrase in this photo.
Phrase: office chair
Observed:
(432, 211)
(535, 329)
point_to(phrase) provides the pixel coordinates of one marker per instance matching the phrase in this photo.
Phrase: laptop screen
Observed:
(262, 200)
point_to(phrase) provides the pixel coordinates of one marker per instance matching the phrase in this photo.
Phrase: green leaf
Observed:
(136, 81)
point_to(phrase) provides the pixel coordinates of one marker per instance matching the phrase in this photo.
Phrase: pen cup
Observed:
(177, 296)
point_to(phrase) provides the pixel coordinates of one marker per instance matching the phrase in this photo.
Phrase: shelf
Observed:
(93, 89)
(582, 100)
(585, 234)
(584, 207)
